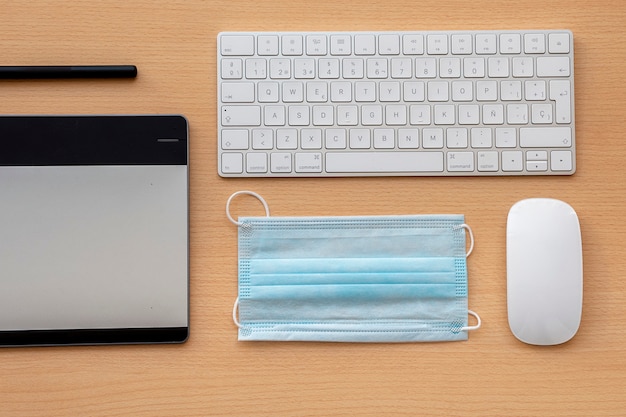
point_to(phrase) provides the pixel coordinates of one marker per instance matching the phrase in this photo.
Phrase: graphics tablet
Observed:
(93, 230)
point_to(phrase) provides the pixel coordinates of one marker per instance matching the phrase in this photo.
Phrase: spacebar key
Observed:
(384, 162)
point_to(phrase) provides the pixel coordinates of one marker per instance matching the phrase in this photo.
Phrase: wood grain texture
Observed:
(173, 43)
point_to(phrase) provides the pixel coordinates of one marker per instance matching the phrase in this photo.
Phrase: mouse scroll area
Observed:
(544, 271)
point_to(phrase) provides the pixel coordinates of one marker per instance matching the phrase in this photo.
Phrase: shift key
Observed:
(241, 115)
(545, 137)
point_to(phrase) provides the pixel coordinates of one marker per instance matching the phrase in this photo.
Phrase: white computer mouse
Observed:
(544, 271)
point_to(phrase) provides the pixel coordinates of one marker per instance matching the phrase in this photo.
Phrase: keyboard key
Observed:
(364, 44)
(238, 92)
(280, 162)
(389, 44)
(256, 162)
(561, 160)
(280, 69)
(299, 115)
(510, 43)
(460, 161)
(384, 139)
(560, 91)
(268, 92)
(487, 161)
(347, 115)
(232, 163)
(545, 137)
(308, 162)
(461, 44)
(432, 138)
(401, 68)
(262, 139)
(292, 45)
(377, 68)
(413, 44)
(425, 68)
(353, 68)
(537, 155)
(234, 139)
(237, 45)
(474, 67)
(506, 137)
(534, 43)
(486, 44)
(329, 68)
(241, 115)
(450, 67)
(363, 162)
(535, 90)
(232, 69)
(316, 45)
(360, 139)
(537, 165)
(498, 67)
(256, 69)
(558, 43)
(512, 161)
(340, 45)
(311, 139)
(267, 45)
(553, 67)
(523, 67)
(408, 138)
(336, 139)
(437, 44)
(274, 115)
(287, 139)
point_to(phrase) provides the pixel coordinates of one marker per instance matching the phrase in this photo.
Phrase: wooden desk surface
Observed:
(173, 43)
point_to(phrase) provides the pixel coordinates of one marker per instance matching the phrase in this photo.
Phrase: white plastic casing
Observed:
(544, 271)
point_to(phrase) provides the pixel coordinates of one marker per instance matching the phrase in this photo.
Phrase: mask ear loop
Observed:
(476, 326)
(471, 236)
(235, 309)
(253, 194)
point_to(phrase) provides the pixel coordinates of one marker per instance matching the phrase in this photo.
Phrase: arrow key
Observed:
(561, 160)
(512, 161)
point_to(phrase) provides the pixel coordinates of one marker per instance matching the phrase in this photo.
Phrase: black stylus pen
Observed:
(68, 71)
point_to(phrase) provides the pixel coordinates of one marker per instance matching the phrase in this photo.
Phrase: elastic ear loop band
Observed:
(471, 236)
(253, 194)
(235, 308)
(476, 326)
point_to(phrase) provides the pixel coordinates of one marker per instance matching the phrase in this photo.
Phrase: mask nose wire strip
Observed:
(475, 327)
(253, 194)
(235, 308)
(471, 236)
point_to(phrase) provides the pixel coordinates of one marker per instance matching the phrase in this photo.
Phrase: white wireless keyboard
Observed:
(462, 103)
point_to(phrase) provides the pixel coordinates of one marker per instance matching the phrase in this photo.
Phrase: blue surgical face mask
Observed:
(352, 279)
